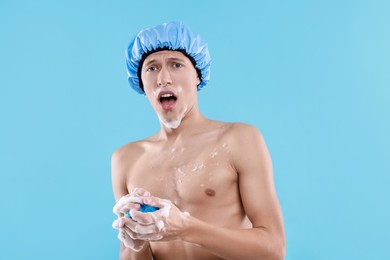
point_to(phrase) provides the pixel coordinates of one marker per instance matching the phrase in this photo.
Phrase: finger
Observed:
(125, 221)
(121, 222)
(134, 229)
(122, 235)
(127, 232)
(143, 237)
(129, 243)
(126, 240)
(116, 223)
(136, 245)
(145, 230)
(130, 233)
(163, 205)
(148, 219)
(149, 237)
(138, 231)
(142, 218)
(124, 201)
(130, 226)
(154, 225)
(119, 204)
(128, 207)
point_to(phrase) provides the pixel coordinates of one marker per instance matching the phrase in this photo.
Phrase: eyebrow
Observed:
(169, 58)
(176, 59)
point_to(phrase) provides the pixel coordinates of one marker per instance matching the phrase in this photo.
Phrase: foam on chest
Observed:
(185, 175)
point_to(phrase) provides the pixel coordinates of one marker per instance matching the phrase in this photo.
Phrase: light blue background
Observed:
(313, 76)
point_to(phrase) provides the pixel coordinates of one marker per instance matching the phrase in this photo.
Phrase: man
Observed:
(211, 182)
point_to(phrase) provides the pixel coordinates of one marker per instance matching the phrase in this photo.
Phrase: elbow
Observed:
(274, 250)
(278, 251)
(274, 253)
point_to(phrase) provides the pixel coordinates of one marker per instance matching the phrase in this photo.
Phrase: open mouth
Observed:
(167, 100)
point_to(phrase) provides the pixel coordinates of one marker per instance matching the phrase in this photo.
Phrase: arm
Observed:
(265, 240)
(119, 170)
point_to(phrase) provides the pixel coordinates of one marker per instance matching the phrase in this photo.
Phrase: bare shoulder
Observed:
(131, 151)
(121, 162)
(238, 135)
(247, 146)
(244, 128)
(124, 153)
(241, 133)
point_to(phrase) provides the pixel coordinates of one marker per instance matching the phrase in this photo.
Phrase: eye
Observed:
(177, 65)
(151, 68)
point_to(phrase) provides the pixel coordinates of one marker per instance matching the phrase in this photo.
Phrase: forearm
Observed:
(129, 254)
(254, 243)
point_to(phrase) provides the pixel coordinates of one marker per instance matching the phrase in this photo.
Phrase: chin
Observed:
(172, 124)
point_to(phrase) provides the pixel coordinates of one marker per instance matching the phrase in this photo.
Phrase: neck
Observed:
(189, 125)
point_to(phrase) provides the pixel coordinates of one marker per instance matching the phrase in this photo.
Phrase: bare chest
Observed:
(189, 176)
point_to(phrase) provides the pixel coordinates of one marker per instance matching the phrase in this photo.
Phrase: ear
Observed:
(197, 81)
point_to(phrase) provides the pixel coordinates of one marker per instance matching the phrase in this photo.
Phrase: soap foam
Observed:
(164, 211)
(225, 147)
(197, 167)
(129, 242)
(160, 225)
(185, 214)
(173, 123)
(214, 153)
(124, 238)
(144, 230)
(125, 200)
(115, 224)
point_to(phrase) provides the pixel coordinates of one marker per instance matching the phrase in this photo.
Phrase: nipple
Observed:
(210, 192)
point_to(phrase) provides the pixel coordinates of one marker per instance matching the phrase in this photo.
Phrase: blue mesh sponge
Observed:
(167, 36)
(144, 208)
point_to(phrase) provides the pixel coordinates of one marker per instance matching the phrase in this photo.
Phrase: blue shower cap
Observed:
(167, 36)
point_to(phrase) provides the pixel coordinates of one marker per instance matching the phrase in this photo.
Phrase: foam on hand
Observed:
(164, 211)
(137, 245)
(125, 200)
(160, 225)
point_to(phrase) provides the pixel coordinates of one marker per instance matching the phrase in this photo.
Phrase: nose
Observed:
(164, 77)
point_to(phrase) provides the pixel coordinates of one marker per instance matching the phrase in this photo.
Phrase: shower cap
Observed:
(167, 36)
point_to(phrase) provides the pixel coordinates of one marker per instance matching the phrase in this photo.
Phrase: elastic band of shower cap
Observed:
(174, 36)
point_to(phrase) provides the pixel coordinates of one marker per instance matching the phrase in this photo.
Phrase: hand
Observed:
(167, 223)
(123, 236)
(128, 202)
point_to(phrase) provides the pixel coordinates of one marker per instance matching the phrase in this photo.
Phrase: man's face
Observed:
(170, 83)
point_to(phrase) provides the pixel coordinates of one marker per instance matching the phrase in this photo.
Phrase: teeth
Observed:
(167, 95)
